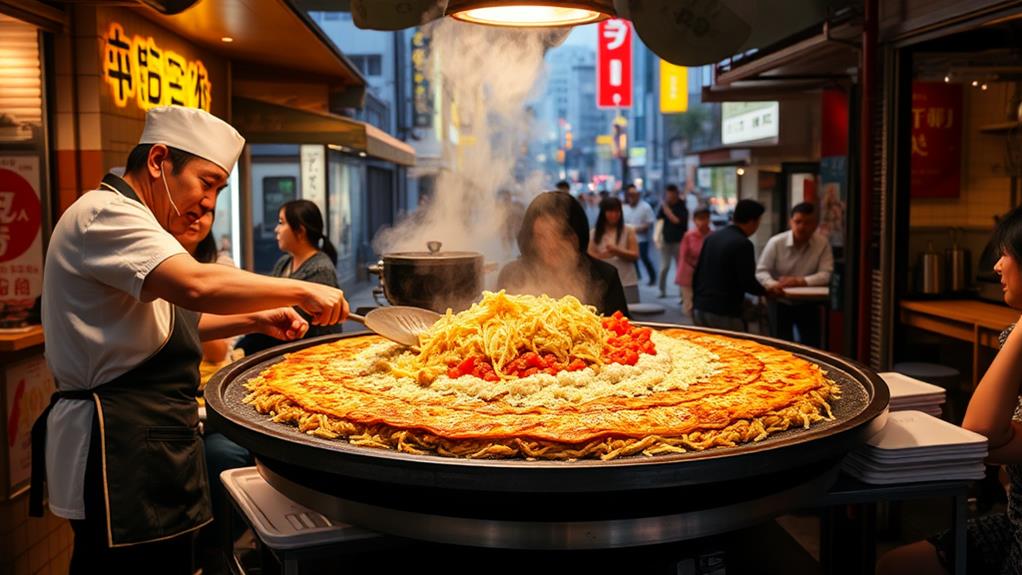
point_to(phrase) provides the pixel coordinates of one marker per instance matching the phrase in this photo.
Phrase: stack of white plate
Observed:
(910, 393)
(915, 447)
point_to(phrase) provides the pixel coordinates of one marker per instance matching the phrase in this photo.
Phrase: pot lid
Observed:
(434, 253)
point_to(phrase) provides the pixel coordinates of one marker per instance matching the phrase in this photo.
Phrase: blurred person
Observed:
(512, 211)
(798, 257)
(563, 186)
(614, 242)
(554, 260)
(993, 542)
(638, 214)
(674, 215)
(726, 271)
(309, 256)
(591, 205)
(688, 256)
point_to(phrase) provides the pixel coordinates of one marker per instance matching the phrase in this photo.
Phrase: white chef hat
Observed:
(194, 131)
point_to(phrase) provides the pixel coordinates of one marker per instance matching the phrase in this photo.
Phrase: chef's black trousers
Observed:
(91, 554)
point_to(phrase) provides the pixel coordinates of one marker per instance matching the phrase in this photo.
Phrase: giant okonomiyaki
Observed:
(535, 377)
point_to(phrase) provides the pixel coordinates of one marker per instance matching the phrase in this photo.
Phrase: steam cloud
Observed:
(490, 73)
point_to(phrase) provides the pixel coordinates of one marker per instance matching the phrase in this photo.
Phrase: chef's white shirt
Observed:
(97, 324)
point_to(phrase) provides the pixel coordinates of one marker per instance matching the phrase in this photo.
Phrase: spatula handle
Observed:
(357, 318)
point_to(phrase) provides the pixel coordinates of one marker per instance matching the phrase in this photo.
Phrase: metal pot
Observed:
(433, 279)
(957, 260)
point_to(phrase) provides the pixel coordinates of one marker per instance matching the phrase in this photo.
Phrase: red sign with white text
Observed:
(936, 140)
(614, 64)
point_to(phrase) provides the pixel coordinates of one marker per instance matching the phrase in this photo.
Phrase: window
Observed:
(368, 64)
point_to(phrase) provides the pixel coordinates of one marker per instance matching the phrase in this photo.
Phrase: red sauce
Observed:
(624, 344)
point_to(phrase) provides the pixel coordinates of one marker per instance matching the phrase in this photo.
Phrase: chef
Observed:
(121, 312)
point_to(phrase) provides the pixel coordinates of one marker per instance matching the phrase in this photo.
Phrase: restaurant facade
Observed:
(77, 80)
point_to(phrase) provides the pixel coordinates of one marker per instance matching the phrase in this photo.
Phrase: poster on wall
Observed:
(833, 203)
(314, 175)
(936, 140)
(21, 248)
(29, 385)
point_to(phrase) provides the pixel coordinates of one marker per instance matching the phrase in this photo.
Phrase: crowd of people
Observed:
(722, 283)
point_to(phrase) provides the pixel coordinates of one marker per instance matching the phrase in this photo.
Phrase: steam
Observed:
(490, 74)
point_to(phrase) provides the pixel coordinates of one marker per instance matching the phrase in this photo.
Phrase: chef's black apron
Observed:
(151, 472)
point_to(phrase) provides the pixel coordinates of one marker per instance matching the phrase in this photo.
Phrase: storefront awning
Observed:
(266, 123)
(264, 38)
(827, 58)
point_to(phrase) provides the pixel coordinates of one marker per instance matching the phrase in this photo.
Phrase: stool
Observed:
(293, 535)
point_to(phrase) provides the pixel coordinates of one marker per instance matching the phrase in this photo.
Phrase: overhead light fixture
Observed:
(740, 171)
(947, 78)
(983, 87)
(530, 14)
(975, 83)
(226, 39)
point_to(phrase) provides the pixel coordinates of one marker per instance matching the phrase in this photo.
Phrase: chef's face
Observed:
(287, 239)
(1011, 279)
(192, 190)
(195, 233)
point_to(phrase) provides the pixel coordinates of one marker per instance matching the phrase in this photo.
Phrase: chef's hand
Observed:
(776, 290)
(325, 304)
(281, 323)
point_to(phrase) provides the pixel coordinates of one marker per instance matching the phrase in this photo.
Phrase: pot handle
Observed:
(376, 268)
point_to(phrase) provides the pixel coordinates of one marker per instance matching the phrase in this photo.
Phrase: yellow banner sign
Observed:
(673, 88)
(136, 68)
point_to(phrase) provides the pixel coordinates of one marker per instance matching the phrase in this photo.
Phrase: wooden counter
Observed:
(17, 341)
(976, 322)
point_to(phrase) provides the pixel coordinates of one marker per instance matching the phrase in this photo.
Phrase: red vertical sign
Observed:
(936, 140)
(614, 64)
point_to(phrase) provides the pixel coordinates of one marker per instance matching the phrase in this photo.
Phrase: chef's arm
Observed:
(216, 327)
(219, 289)
(994, 401)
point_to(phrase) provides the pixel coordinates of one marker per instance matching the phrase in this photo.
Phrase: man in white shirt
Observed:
(796, 258)
(638, 214)
(121, 305)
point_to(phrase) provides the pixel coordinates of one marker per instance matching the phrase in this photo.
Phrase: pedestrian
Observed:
(615, 243)
(638, 214)
(726, 271)
(688, 256)
(798, 257)
(674, 215)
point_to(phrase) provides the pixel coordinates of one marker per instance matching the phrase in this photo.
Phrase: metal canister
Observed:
(957, 263)
(929, 276)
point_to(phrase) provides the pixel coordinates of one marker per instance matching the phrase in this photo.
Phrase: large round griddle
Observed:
(490, 500)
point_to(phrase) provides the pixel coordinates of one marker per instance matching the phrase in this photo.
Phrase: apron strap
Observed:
(35, 492)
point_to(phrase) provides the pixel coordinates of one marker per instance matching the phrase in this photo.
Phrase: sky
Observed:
(583, 36)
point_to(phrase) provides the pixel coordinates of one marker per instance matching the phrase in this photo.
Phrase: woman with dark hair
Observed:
(616, 243)
(993, 542)
(308, 256)
(554, 241)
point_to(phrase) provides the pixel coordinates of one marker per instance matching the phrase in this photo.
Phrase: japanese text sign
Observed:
(136, 68)
(614, 64)
(936, 140)
(21, 252)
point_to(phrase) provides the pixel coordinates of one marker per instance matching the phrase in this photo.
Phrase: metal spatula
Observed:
(399, 323)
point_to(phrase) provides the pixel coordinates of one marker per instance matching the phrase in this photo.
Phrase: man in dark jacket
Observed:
(553, 240)
(727, 271)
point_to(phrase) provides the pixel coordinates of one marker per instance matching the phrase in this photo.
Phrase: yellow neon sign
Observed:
(137, 69)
